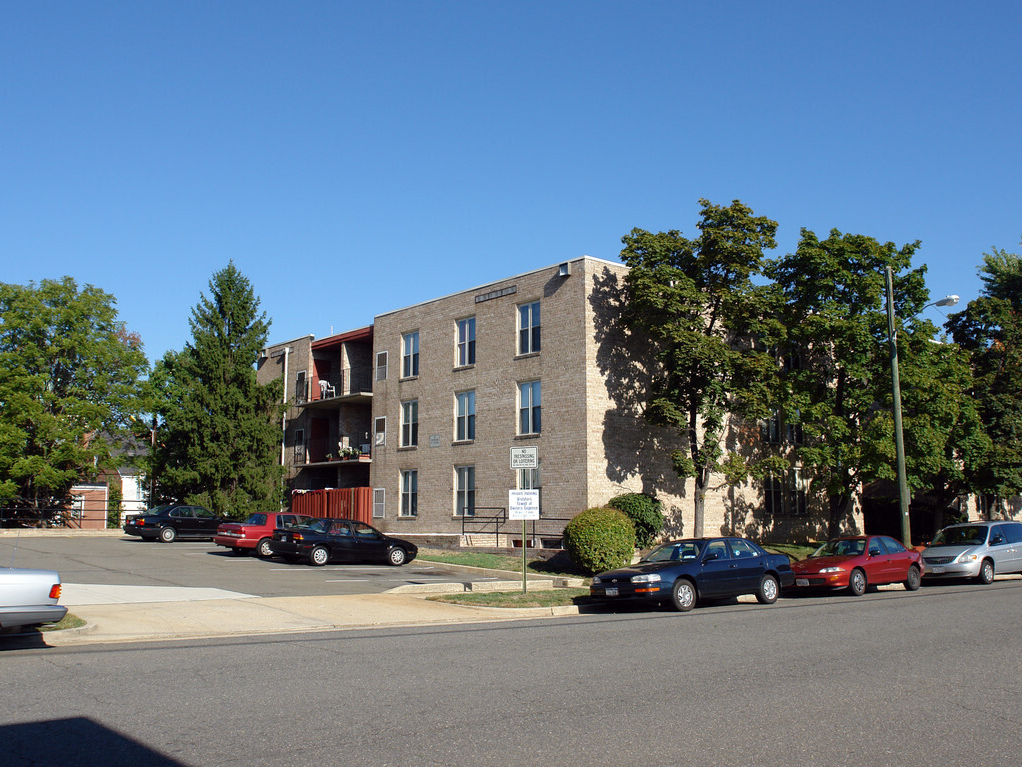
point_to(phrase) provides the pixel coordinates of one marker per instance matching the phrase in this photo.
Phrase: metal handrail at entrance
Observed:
(481, 522)
(498, 524)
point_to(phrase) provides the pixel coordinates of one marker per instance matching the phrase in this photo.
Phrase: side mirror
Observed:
(711, 556)
(996, 540)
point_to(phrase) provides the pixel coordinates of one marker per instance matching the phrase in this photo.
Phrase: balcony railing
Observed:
(322, 451)
(348, 382)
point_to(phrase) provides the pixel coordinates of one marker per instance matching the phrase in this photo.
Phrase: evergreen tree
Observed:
(219, 438)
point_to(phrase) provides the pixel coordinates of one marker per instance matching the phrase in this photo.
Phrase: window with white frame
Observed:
(410, 423)
(529, 408)
(773, 495)
(410, 493)
(410, 355)
(528, 328)
(381, 366)
(299, 445)
(785, 495)
(465, 493)
(466, 345)
(379, 502)
(465, 416)
(380, 431)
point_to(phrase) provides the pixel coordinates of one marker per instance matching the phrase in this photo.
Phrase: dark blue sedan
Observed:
(691, 570)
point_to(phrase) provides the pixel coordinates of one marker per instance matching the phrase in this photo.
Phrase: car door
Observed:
(747, 565)
(181, 520)
(878, 561)
(370, 544)
(343, 546)
(1000, 549)
(716, 573)
(205, 521)
(900, 559)
(1013, 532)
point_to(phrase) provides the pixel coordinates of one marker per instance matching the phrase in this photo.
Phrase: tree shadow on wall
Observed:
(633, 447)
(76, 742)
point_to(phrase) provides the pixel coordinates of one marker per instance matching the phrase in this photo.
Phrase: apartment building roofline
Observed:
(359, 334)
(490, 285)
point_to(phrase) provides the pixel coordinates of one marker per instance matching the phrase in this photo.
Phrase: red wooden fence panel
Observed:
(346, 502)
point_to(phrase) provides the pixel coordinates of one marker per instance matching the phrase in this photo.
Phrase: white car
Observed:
(29, 597)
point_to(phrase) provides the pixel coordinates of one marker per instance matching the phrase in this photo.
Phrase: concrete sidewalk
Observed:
(150, 621)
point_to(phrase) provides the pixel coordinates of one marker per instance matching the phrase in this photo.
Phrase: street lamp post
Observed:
(899, 439)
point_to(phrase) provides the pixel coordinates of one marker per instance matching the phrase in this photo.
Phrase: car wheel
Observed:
(168, 534)
(914, 578)
(396, 556)
(319, 556)
(683, 595)
(263, 549)
(767, 593)
(857, 583)
(986, 572)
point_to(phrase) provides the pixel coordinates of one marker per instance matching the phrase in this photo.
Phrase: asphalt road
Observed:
(127, 561)
(891, 678)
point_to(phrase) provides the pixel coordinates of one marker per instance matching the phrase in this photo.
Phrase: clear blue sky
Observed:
(355, 158)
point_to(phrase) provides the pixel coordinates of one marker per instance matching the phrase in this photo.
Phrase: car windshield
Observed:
(315, 525)
(840, 548)
(675, 551)
(961, 536)
(159, 509)
(255, 519)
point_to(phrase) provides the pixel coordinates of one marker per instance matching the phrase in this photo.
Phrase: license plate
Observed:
(936, 569)
(801, 581)
(612, 591)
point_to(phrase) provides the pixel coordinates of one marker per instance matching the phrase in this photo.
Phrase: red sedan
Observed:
(856, 562)
(256, 532)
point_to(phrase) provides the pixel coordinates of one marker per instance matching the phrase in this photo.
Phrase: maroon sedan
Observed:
(256, 532)
(856, 562)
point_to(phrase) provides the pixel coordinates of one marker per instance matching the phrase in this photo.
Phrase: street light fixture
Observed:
(899, 439)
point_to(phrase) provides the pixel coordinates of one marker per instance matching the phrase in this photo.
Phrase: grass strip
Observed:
(551, 598)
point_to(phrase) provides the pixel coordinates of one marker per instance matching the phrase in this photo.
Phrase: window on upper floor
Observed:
(410, 355)
(465, 416)
(466, 343)
(410, 423)
(529, 408)
(380, 431)
(528, 328)
(381, 366)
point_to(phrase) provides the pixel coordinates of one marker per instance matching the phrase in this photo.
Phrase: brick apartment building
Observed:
(425, 405)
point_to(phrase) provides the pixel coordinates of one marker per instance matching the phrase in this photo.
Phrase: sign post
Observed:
(523, 505)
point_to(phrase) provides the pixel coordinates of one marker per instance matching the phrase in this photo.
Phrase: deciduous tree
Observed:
(69, 387)
(692, 307)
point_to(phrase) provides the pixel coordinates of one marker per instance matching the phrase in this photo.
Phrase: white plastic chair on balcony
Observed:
(326, 389)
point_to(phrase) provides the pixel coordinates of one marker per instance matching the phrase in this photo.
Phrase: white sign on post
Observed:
(525, 458)
(523, 504)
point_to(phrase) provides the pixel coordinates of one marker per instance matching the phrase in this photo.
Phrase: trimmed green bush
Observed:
(600, 539)
(646, 514)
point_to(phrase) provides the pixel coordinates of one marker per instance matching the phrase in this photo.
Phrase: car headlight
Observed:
(831, 570)
(968, 558)
(647, 578)
(596, 579)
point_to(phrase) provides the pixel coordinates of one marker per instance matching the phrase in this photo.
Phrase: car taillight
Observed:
(299, 537)
(55, 591)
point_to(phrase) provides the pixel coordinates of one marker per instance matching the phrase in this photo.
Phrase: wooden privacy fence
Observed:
(347, 502)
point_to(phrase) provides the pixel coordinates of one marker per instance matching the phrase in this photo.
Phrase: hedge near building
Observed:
(600, 539)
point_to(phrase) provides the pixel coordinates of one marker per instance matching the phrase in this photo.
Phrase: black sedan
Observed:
(688, 571)
(342, 540)
(168, 523)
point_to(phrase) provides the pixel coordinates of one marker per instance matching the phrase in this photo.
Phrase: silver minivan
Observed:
(975, 550)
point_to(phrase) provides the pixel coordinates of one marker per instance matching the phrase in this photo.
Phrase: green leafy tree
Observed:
(218, 439)
(835, 316)
(990, 330)
(692, 308)
(69, 387)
